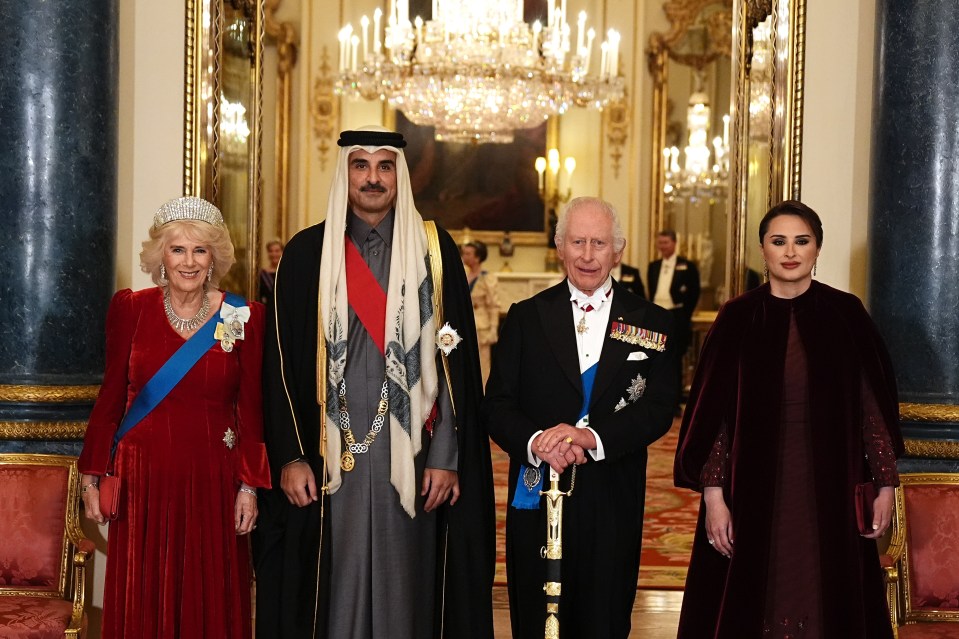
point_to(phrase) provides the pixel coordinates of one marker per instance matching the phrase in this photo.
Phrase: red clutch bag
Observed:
(109, 490)
(865, 496)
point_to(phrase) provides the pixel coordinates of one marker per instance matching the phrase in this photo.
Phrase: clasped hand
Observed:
(563, 445)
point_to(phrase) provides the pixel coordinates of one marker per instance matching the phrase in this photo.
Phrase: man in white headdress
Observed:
(382, 525)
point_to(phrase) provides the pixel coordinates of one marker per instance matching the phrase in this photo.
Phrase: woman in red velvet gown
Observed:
(177, 559)
(793, 404)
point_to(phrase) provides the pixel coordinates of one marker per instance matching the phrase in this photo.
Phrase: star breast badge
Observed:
(447, 339)
(636, 388)
(229, 438)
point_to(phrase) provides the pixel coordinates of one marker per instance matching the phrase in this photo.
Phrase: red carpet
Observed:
(669, 522)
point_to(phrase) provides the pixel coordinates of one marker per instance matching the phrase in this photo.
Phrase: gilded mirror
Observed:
(222, 122)
(690, 66)
(766, 146)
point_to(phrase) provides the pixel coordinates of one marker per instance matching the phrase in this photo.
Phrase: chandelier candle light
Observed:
(698, 177)
(476, 71)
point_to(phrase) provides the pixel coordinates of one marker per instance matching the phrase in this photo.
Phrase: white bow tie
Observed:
(589, 302)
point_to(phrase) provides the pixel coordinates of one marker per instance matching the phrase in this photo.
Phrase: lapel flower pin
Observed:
(447, 338)
(232, 327)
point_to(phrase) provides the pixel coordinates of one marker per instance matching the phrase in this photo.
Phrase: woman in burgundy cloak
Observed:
(794, 403)
(177, 556)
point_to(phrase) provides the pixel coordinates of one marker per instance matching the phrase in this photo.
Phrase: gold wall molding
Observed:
(324, 108)
(931, 413)
(55, 430)
(617, 131)
(48, 394)
(284, 36)
(681, 15)
(932, 448)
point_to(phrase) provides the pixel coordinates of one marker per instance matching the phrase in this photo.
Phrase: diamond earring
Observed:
(209, 274)
(162, 272)
(765, 272)
(814, 268)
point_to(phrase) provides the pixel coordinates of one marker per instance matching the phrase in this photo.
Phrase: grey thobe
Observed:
(383, 561)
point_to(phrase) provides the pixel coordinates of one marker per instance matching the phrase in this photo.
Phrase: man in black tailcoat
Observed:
(582, 383)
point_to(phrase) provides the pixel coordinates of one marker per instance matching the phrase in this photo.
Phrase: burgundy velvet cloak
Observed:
(739, 383)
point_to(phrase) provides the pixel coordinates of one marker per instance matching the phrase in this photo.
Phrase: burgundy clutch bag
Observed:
(109, 490)
(865, 496)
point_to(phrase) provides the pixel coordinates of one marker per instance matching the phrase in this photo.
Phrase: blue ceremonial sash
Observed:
(171, 372)
(529, 483)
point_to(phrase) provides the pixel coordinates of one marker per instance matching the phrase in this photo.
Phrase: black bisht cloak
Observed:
(739, 382)
(287, 543)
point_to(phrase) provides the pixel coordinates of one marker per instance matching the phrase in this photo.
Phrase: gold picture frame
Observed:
(222, 122)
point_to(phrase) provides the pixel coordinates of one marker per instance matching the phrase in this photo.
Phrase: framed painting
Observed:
(480, 190)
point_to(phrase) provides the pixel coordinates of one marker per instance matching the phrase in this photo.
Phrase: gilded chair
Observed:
(922, 561)
(43, 554)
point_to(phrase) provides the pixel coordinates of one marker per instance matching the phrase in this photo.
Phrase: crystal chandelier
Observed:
(704, 173)
(476, 71)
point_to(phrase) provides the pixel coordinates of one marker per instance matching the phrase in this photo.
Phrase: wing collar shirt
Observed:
(662, 296)
(590, 327)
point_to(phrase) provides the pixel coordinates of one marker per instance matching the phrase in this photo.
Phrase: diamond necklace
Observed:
(185, 325)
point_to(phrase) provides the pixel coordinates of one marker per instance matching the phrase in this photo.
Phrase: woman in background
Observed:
(178, 563)
(485, 304)
(267, 278)
(794, 403)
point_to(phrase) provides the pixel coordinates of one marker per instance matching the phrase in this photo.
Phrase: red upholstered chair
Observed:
(922, 561)
(43, 554)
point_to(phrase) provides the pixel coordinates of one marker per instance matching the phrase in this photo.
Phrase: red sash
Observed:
(368, 300)
(366, 296)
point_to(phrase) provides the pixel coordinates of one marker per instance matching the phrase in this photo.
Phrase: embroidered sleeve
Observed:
(876, 441)
(714, 470)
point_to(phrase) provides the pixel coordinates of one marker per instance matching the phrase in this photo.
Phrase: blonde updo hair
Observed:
(216, 237)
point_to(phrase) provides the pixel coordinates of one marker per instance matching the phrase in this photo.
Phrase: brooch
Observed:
(229, 438)
(640, 336)
(447, 338)
(232, 327)
(531, 477)
(636, 388)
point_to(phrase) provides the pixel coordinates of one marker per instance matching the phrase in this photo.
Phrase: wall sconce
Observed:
(550, 189)
(550, 185)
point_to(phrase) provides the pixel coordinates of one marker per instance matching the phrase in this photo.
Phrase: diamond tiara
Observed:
(187, 208)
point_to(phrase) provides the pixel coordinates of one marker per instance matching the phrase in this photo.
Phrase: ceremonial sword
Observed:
(553, 550)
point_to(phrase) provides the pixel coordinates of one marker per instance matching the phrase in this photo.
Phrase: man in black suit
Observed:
(629, 277)
(582, 383)
(674, 285)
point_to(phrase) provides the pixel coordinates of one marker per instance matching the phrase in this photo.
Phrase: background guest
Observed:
(674, 285)
(794, 403)
(178, 564)
(629, 277)
(485, 303)
(267, 278)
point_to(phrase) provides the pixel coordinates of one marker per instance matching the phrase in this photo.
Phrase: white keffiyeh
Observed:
(410, 326)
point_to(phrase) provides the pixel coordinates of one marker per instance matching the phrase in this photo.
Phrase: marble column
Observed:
(58, 177)
(914, 218)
